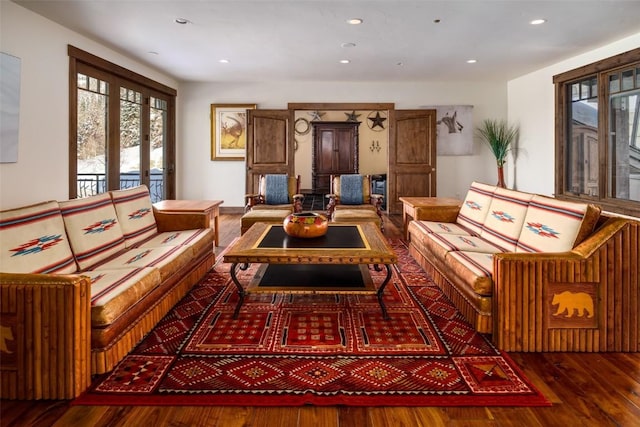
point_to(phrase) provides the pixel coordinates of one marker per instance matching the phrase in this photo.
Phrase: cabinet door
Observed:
(335, 152)
(325, 151)
(345, 147)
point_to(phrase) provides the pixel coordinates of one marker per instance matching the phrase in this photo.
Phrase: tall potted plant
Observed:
(500, 137)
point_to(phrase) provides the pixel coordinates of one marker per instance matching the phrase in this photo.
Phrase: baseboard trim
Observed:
(231, 210)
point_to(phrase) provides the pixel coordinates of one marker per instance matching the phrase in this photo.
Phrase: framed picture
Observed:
(229, 131)
(454, 130)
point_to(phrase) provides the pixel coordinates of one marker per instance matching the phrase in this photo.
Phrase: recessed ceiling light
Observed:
(471, 61)
(344, 61)
(355, 21)
(538, 21)
(223, 61)
(182, 21)
(348, 44)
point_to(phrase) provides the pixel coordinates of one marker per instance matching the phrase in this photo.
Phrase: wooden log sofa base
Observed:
(536, 273)
(84, 280)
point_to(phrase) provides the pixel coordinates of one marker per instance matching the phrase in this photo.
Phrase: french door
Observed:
(122, 134)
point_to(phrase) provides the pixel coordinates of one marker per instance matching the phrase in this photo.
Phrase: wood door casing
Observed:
(269, 145)
(412, 156)
(335, 152)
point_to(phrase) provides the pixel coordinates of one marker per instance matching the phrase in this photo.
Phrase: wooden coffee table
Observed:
(335, 263)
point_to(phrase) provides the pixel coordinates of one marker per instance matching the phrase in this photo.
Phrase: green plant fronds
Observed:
(499, 136)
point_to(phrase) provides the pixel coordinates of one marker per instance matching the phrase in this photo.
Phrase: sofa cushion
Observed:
(167, 259)
(93, 228)
(475, 206)
(428, 227)
(113, 292)
(33, 240)
(507, 211)
(135, 214)
(474, 268)
(195, 239)
(553, 225)
(439, 244)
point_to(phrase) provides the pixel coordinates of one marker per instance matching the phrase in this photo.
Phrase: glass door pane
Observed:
(130, 138)
(624, 149)
(92, 121)
(581, 152)
(158, 137)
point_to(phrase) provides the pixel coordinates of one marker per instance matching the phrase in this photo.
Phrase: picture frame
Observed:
(229, 131)
(454, 130)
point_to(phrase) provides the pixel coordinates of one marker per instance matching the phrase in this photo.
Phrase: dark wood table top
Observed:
(261, 244)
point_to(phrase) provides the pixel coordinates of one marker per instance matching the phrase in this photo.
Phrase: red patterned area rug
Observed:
(296, 349)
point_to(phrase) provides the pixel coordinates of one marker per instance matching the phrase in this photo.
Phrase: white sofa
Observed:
(539, 274)
(83, 280)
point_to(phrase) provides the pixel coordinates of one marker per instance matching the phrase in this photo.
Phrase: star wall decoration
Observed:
(376, 121)
(352, 117)
(316, 115)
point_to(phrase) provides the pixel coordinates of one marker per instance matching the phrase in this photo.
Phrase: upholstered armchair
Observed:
(353, 191)
(276, 191)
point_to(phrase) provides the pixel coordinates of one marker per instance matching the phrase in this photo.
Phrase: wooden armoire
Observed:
(335, 152)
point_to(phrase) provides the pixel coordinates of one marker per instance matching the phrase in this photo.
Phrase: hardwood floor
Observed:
(588, 389)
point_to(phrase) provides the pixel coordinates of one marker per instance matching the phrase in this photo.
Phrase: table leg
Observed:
(241, 293)
(385, 314)
(216, 232)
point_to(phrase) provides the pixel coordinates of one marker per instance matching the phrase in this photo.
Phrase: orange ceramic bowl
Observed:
(306, 225)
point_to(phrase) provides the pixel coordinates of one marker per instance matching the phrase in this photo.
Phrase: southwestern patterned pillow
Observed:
(33, 240)
(505, 218)
(476, 206)
(135, 213)
(93, 228)
(551, 225)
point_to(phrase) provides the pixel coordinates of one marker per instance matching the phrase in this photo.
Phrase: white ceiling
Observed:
(300, 40)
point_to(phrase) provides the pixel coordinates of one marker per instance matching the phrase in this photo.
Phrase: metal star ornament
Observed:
(352, 117)
(316, 115)
(377, 121)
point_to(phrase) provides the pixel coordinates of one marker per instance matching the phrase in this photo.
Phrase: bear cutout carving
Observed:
(5, 335)
(570, 302)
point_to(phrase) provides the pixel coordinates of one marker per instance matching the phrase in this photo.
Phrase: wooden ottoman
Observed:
(270, 216)
(356, 215)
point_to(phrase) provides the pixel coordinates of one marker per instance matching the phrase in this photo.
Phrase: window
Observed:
(598, 133)
(121, 130)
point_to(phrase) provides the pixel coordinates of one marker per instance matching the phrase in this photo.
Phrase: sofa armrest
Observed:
(437, 213)
(175, 221)
(586, 299)
(45, 344)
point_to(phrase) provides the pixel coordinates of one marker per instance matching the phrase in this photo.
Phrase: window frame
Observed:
(79, 59)
(562, 82)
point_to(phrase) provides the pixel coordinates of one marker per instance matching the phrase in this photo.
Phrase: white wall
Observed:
(531, 103)
(41, 172)
(199, 177)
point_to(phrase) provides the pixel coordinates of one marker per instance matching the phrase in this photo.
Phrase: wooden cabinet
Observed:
(335, 152)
